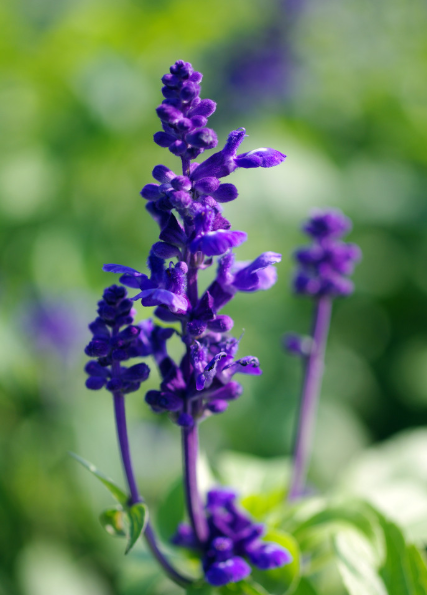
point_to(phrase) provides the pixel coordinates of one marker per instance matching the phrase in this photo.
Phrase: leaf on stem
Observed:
(138, 518)
(114, 489)
(113, 522)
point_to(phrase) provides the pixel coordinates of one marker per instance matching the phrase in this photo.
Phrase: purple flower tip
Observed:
(270, 555)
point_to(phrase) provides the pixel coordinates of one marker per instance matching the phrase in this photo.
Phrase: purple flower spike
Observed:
(188, 208)
(324, 264)
(327, 224)
(115, 339)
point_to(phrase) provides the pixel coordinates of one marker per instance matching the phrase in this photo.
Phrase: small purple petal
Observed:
(217, 405)
(202, 138)
(165, 250)
(230, 571)
(163, 140)
(229, 392)
(225, 193)
(157, 297)
(270, 555)
(260, 158)
(120, 269)
(138, 372)
(95, 382)
(173, 232)
(163, 174)
(218, 242)
(221, 324)
(205, 108)
(205, 378)
(298, 345)
(206, 185)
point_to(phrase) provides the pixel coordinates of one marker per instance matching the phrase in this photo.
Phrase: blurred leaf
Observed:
(200, 588)
(404, 570)
(354, 513)
(356, 564)
(305, 588)
(418, 569)
(250, 587)
(280, 580)
(113, 522)
(171, 511)
(259, 505)
(253, 475)
(138, 518)
(117, 492)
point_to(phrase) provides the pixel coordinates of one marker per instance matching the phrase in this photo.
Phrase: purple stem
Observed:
(135, 497)
(190, 444)
(309, 398)
(190, 439)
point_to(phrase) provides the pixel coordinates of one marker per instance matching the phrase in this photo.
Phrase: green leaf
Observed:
(351, 513)
(171, 511)
(259, 505)
(250, 587)
(404, 570)
(280, 580)
(115, 490)
(200, 588)
(253, 475)
(113, 522)
(356, 564)
(305, 588)
(138, 518)
(418, 569)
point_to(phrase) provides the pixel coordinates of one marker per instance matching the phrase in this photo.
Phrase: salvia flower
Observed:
(188, 207)
(234, 543)
(324, 266)
(115, 340)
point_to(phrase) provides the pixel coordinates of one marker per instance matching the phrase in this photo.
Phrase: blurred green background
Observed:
(340, 87)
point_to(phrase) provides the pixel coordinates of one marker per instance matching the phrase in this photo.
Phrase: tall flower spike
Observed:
(322, 274)
(188, 206)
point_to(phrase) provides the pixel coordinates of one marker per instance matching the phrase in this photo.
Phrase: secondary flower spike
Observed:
(187, 204)
(322, 274)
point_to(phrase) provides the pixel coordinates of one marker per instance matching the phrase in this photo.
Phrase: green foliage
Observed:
(113, 522)
(136, 515)
(138, 518)
(171, 510)
(112, 487)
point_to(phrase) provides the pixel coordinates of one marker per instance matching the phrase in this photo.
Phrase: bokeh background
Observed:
(340, 87)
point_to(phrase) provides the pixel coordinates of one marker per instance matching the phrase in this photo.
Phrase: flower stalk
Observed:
(314, 367)
(322, 275)
(135, 497)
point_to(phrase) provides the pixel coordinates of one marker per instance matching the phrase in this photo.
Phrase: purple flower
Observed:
(323, 266)
(233, 539)
(115, 339)
(188, 207)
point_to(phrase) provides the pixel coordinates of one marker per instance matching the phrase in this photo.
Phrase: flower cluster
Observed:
(324, 266)
(115, 339)
(232, 538)
(188, 210)
(193, 230)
